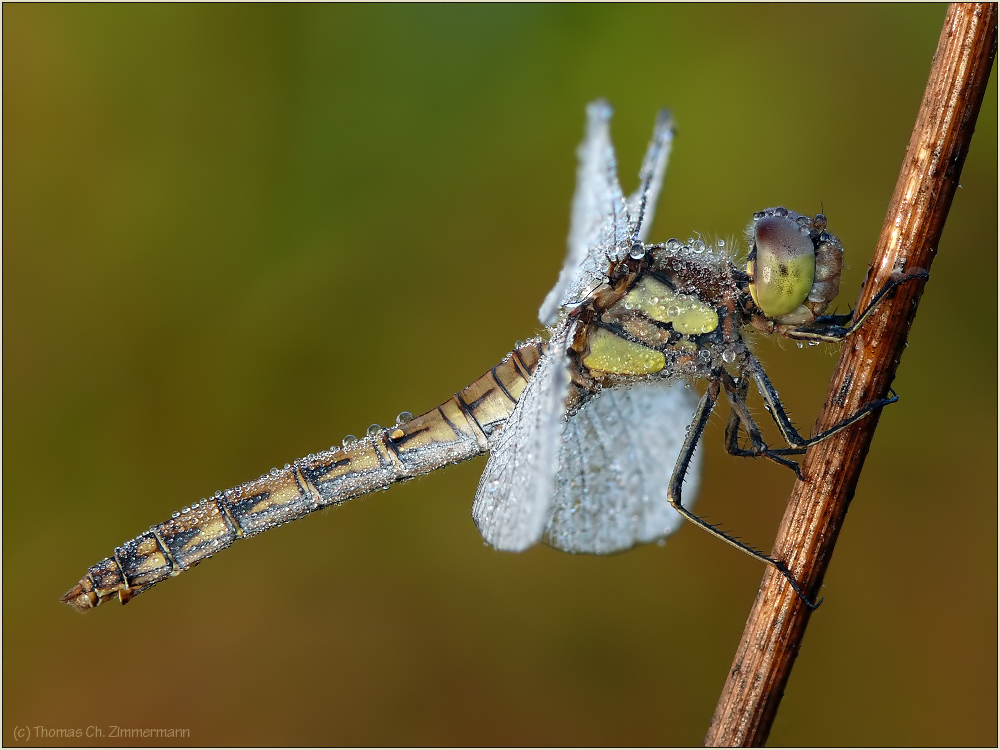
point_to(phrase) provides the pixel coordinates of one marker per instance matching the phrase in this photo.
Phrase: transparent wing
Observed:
(598, 221)
(604, 225)
(642, 203)
(517, 487)
(617, 455)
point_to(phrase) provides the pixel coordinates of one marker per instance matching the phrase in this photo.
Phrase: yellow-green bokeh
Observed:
(233, 234)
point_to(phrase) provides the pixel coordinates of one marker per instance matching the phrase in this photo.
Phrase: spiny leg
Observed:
(694, 433)
(834, 328)
(736, 392)
(788, 431)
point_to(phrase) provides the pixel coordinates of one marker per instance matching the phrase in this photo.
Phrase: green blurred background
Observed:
(234, 234)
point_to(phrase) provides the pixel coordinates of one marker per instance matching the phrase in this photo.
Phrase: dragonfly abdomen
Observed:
(458, 429)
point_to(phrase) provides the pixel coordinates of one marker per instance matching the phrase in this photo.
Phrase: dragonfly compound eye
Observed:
(782, 265)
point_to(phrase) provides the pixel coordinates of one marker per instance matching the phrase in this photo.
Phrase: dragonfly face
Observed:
(591, 431)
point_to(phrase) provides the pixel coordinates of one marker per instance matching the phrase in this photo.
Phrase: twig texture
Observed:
(867, 366)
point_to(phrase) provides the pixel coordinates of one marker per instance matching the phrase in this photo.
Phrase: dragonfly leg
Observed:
(788, 431)
(834, 328)
(694, 433)
(736, 392)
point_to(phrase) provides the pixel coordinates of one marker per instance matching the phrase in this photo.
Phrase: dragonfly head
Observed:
(794, 265)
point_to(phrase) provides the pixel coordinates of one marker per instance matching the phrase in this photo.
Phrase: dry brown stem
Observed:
(817, 507)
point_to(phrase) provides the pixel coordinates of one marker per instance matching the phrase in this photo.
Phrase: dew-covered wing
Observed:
(517, 487)
(615, 462)
(604, 224)
(641, 204)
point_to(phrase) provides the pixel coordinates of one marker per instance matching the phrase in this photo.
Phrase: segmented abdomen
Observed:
(458, 429)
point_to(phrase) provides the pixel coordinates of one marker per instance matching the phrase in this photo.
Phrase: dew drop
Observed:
(729, 356)
(374, 430)
(348, 440)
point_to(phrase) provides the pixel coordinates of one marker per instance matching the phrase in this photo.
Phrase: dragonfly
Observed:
(592, 428)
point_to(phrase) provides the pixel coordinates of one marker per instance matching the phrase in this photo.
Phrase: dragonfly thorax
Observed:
(673, 313)
(677, 310)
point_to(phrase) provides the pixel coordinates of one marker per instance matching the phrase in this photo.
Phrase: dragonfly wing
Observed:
(515, 493)
(604, 225)
(598, 223)
(618, 452)
(642, 203)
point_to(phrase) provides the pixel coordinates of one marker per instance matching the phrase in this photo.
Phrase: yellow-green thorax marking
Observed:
(685, 312)
(665, 314)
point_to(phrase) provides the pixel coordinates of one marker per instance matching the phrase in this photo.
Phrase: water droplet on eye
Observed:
(374, 430)
(348, 440)
(403, 417)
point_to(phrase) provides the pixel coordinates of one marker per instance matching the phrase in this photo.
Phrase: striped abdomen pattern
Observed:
(458, 429)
